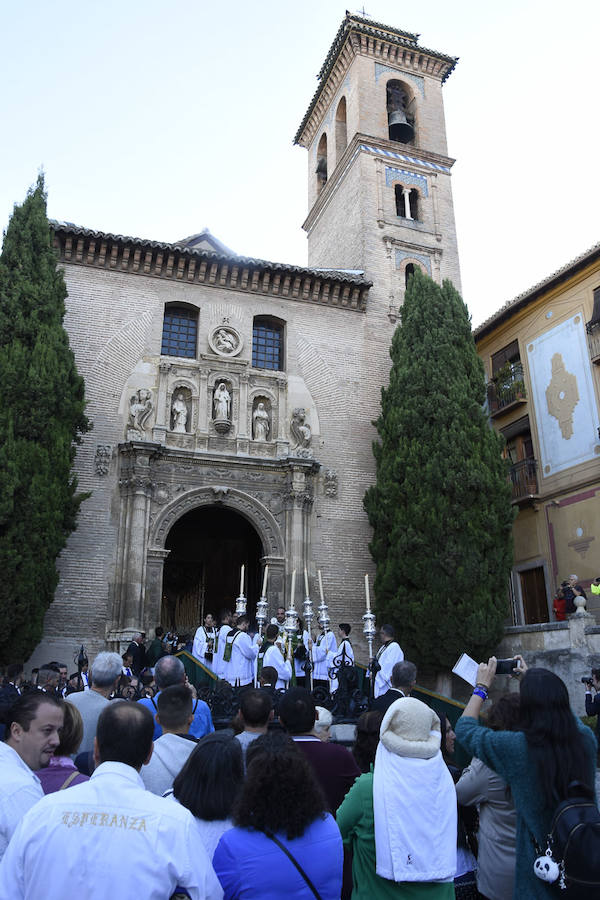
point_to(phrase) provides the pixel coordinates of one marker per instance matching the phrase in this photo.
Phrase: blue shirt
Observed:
(201, 725)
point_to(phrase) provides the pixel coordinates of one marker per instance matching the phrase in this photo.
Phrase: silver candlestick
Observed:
(262, 613)
(240, 606)
(308, 617)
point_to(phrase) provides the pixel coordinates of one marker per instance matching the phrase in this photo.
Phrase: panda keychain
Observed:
(546, 868)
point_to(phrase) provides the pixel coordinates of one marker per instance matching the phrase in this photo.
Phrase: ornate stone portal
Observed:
(159, 485)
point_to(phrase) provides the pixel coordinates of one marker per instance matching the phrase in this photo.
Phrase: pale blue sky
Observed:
(158, 119)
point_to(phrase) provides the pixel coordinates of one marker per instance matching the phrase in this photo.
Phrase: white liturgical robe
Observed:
(107, 839)
(219, 664)
(387, 657)
(324, 649)
(241, 666)
(203, 639)
(274, 657)
(344, 656)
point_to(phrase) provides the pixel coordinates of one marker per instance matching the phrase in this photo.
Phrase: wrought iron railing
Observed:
(593, 332)
(523, 477)
(505, 390)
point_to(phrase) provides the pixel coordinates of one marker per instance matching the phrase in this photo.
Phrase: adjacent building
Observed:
(541, 353)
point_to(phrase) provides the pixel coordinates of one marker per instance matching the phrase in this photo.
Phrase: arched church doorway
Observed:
(208, 547)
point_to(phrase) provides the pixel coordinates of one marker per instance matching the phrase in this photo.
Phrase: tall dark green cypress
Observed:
(42, 416)
(441, 505)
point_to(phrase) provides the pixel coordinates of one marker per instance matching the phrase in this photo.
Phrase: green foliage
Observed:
(41, 419)
(441, 505)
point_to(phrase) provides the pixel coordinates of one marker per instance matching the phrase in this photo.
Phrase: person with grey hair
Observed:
(404, 678)
(106, 671)
(137, 651)
(168, 671)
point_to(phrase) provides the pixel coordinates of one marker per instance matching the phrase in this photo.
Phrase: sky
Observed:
(157, 120)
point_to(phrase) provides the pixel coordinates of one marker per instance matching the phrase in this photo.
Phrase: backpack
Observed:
(574, 844)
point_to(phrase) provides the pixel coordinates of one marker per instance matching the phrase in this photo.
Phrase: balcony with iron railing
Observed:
(506, 390)
(593, 333)
(523, 478)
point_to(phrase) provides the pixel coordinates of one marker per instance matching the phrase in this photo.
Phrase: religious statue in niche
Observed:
(562, 396)
(261, 423)
(301, 432)
(140, 409)
(225, 341)
(222, 408)
(179, 414)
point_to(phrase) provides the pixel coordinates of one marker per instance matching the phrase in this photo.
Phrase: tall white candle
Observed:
(265, 576)
(306, 594)
(367, 593)
(242, 582)
(321, 586)
(293, 589)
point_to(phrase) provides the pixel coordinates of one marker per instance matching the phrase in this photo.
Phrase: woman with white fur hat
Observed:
(400, 820)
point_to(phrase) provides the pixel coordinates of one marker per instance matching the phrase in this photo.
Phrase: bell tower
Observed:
(379, 175)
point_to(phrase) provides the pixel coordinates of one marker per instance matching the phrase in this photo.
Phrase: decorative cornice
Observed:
(119, 253)
(386, 45)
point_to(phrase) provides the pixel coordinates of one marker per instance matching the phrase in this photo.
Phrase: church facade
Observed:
(233, 398)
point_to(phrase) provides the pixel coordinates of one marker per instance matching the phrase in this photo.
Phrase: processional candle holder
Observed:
(369, 630)
(262, 608)
(240, 606)
(290, 626)
(308, 614)
(323, 618)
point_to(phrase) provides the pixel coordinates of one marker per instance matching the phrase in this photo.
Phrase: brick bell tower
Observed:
(379, 175)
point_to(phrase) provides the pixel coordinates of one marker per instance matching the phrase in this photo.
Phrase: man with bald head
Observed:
(169, 670)
(109, 837)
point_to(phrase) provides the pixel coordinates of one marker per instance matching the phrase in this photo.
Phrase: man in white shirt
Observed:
(32, 728)
(387, 656)
(270, 654)
(203, 647)
(243, 652)
(109, 838)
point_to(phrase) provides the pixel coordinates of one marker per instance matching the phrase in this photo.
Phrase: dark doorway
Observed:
(535, 601)
(208, 547)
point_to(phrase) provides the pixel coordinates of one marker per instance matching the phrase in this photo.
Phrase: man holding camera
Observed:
(592, 703)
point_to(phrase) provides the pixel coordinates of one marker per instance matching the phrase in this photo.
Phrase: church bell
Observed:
(400, 128)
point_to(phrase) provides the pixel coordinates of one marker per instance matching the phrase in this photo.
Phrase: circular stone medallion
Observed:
(225, 341)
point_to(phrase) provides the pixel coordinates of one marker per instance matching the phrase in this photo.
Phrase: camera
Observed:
(589, 679)
(586, 680)
(506, 666)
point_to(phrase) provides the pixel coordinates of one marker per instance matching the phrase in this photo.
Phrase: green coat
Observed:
(357, 825)
(505, 752)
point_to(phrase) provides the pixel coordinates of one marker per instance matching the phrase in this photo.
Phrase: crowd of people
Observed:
(106, 792)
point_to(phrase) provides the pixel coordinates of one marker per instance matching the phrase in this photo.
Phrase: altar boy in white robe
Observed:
(243, 653)
(271, 655)
(203, 647)
(323, 653)
(219, 667)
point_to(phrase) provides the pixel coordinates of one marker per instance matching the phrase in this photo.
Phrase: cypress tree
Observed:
(441, 506)
(41, 419)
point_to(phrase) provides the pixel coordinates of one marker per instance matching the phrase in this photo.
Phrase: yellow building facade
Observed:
(541, 353)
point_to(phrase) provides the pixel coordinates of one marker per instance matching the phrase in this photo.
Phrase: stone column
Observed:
(154, 581)
(159, 432)
(243, 407)
(282, 414)
(406, 201)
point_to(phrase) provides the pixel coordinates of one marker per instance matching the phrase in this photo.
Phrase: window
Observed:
(267, 344)
(407, 202)
(341, 135)
(321, 169)
(409, 270)
(400, 112)
(180, 328)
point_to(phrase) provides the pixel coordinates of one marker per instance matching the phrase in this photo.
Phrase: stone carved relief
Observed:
(180, 411)
(225, 341)
(562, 396)
(102, 459)
(301, 433)
(261, 420)
(330, 482)
(222, 407)
(140, 410)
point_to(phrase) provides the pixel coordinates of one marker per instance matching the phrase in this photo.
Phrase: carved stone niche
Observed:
(262, 419)
(180, 413)
(222, 406)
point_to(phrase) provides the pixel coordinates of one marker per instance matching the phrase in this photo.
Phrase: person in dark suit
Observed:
(404, 678)
(137, 651)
